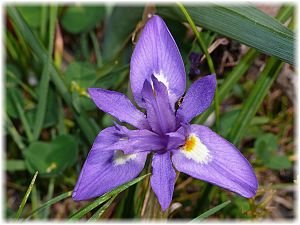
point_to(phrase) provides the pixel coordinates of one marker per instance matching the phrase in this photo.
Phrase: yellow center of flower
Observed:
(190, 144)
(195, 150)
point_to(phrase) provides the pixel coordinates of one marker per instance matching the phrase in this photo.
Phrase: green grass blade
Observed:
(50, 194)
(23, 117)
(24, 200)
(211, 212)
(106, 197)
(43, 22)
(231, 79)
(245, 24)
(44, 85)
(102, 209)
(21, 83)
(256, 97)
(96, 48)
(87, 128)
(14, 133)
(50, 202)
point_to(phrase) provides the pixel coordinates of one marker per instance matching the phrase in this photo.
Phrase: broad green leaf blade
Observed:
(211, 212)
(240, 69)
(24, 200)
(245, 24)
(106, 197)
(50, 202)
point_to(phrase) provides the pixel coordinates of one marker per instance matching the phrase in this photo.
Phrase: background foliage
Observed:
(53, 53)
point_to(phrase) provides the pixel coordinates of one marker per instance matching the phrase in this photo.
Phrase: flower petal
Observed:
(119, 106)
(156, 54)
(197, 99)
(163, 179)
(133, 141)
(211, 158)
(160, 115)
(106, 170)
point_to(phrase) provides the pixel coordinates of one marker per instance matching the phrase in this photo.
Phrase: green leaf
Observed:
(120, 25)
(24, 200)
(85, 124)
(31, 14)
(15, 165)
(50, 202)
(105, 197)
(211, 212)
(279, 162)
(245, 24)
(102, 209)
(255, 98)
(52, 158)
(83, 75)
(266, 148)
(45, 78)
(78, 18)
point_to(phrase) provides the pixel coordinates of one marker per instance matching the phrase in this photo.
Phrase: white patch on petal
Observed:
(160, 77)
(194, 149)
(120, 158)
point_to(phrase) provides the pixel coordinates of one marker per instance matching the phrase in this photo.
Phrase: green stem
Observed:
(209, 59)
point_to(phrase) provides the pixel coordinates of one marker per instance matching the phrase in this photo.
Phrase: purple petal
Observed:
(106, 170)
(156, 54)
(197, 99)
(163, 179)
(119, 106)
(215, 160)
(160, 115)
(133, 141)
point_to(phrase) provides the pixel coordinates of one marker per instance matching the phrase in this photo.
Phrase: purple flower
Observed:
(158, 81)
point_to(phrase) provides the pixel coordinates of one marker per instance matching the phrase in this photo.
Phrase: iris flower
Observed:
(158, 81)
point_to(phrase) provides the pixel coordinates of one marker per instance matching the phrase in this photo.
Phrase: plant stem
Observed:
(209, 59)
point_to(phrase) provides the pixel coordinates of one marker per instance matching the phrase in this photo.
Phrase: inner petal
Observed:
(160, 115)
(194, 149)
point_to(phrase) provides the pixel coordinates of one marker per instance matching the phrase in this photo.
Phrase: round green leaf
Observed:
(78, 19)
(52, 158)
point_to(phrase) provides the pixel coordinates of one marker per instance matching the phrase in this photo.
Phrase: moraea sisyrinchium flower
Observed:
(158, 80)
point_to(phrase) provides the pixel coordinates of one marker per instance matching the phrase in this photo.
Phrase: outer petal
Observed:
(160, 115)
(119, 106)
(105, 170)
(156, 54)
(163, 179)
(197, 99)
(217, 161)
